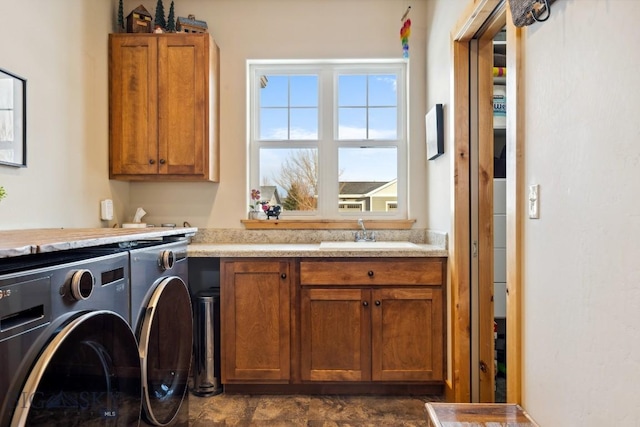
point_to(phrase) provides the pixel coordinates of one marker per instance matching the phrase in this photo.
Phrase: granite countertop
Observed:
(31, 241)
(228, 250)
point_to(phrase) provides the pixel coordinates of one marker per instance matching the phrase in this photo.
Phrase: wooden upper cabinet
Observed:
(164, 114)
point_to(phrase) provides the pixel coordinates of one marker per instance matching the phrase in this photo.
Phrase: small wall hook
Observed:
(545, 9)
(406, 13)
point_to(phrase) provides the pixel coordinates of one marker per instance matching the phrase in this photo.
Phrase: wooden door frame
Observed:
(475, 17)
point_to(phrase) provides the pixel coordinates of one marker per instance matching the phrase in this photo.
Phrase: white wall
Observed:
(60, 48)
(255, 29)
(581, 348)
(442, 17)
(581, 268)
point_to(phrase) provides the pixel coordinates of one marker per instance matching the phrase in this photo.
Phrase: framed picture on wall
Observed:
(13, 120)
(434, 132)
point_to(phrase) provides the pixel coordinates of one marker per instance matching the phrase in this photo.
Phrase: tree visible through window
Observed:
(329, 137)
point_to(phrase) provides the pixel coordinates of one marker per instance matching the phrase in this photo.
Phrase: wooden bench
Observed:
(477, 415)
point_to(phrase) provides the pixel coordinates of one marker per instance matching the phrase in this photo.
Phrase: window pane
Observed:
(368, 179)
(273, 124)
(276, 92)
(304, 91)
(304, 124)
(382, 90)
(352, 91)
(292, 174)
(383, 123)
(352, 123)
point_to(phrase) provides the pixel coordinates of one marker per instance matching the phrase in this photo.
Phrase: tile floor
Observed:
(312, 411)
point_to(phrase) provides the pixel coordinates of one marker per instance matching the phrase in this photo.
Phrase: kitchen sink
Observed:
(367, 246)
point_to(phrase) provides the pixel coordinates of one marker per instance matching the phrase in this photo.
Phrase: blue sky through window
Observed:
(367, 110)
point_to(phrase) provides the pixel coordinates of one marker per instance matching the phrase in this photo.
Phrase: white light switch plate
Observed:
(534, 201)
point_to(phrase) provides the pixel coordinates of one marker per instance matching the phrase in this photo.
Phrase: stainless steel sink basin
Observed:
(367, 246)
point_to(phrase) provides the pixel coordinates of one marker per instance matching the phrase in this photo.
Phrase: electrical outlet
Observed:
(106, 210)
(534, 201)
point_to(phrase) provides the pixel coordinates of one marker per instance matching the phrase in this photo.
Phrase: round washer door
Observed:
(166, 345)
(88, 374)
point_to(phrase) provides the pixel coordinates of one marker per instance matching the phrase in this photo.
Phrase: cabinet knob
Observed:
(365, 303)
(378, 302)
(370, 273)
(162, 161)
(283, 275)
(152, 162)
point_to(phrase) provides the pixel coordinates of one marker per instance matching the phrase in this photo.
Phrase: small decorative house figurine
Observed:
(139, 21)
(190, 25)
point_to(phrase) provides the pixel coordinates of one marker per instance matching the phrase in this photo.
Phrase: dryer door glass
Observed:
(88, 374)
(166, 344)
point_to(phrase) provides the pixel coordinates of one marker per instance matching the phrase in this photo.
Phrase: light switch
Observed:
(534, 201)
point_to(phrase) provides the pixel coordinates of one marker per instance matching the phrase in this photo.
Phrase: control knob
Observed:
(81, 285)
(167, 260)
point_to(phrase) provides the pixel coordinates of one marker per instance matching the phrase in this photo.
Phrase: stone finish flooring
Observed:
(312, 411)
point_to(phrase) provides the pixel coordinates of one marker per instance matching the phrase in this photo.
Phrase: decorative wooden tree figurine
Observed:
(171, 20)
(120, 17)
(160, 21)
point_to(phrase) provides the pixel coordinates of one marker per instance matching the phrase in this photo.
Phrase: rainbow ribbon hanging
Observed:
(405, 32)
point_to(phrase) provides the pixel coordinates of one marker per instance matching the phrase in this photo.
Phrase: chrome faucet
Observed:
(364, 235)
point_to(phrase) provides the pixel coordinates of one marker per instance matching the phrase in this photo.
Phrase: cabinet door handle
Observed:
(365, 303)
(370, 273)
(377, 302)
(162, 161)
(283, 275)
(151, 161)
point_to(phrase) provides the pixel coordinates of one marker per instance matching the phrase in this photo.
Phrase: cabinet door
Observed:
(407, 334)
(335, 335)
(255, 321)
(133, 114)
(183, 75)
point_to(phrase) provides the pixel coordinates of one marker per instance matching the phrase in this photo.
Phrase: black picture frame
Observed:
(13, 120)
(434, 132)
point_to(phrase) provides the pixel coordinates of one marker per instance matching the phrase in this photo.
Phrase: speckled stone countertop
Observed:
(30, 241)
(307, 243)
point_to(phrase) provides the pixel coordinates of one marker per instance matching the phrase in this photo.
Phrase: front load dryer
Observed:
(162, 320)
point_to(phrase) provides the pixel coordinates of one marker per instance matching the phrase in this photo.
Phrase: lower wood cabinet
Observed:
(335, 335)
(356, 328)
(358, 321)
(255, 320)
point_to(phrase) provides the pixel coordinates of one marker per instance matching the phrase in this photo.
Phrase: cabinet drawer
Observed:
(415, 271)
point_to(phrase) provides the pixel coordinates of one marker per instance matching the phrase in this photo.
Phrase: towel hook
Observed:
(546, 8)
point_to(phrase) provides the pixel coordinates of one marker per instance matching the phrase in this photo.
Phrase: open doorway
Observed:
(476, 146)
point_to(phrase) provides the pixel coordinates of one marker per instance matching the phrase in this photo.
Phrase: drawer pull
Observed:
(365, 303)
(378, 302)
(283, 275)
(370, 273)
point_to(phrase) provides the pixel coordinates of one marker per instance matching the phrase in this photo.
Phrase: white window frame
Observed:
(327, 143)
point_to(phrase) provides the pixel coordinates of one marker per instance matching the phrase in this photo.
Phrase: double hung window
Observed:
(328, 139)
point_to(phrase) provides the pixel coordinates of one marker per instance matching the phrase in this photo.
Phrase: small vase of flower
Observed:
(255, 207)
(3, 193)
